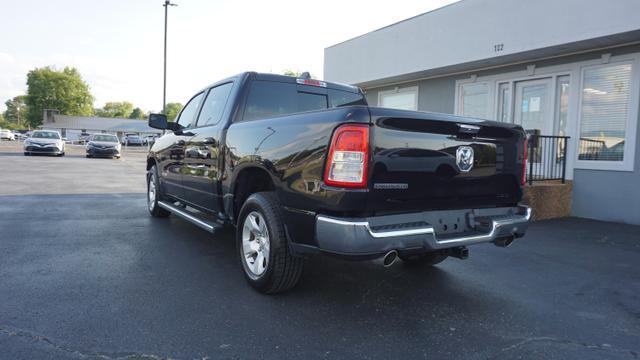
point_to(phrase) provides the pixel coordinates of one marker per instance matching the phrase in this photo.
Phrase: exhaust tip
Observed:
(504, 242)
(390, 258)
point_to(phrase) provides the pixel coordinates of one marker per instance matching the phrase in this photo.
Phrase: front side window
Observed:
(604, 112)
(214, 105)
(474, 100)
(188, 114)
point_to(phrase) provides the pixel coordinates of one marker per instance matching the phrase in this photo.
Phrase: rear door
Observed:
(202, 162)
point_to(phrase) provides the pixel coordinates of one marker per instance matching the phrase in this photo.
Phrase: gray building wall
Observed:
(606, 195)
(436, 95)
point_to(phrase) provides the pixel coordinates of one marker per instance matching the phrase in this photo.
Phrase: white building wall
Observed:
(474, 30)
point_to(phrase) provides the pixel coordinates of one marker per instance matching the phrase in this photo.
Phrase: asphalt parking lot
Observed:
(85, 273)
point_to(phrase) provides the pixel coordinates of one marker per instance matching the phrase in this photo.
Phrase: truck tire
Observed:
(153, 194)
(426, 259)
(262, 245)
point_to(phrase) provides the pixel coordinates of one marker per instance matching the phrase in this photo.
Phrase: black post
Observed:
(530, 144)
(166, 5)
(564, 158)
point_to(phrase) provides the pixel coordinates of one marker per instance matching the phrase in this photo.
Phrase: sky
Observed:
(117, 45)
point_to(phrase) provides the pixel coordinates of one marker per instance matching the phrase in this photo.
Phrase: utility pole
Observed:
(166, 5)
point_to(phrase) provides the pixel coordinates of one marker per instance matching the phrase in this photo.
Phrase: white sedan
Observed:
(44, 142)
(7, 135)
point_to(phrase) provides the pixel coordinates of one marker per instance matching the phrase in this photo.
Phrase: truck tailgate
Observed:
(427, 161)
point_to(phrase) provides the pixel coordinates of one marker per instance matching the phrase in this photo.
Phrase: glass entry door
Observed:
(534, 106)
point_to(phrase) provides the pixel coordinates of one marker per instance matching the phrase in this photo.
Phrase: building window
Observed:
(474, 100)
(405, 98)
(604, 113)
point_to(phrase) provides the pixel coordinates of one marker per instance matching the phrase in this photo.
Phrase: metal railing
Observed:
(597, 149)
(547, 158)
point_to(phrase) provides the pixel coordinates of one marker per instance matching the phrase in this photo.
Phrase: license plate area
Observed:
(449, 222)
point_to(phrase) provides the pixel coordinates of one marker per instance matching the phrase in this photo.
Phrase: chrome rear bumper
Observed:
(433, 230)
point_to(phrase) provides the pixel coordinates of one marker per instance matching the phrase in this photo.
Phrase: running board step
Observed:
(206, 225)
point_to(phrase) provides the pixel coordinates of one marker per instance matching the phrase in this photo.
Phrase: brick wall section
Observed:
(549, 199)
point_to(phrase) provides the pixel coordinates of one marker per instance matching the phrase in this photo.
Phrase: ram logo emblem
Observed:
(464, 158)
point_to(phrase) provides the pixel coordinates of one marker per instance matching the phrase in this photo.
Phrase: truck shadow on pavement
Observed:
(328, 281)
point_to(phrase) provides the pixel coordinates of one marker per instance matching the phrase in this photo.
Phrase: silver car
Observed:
(134, 140)
(44, 142)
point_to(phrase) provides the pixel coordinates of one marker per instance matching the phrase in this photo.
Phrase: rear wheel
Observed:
(26, 153)
(262, 244)
(153, 194)
(426, 259)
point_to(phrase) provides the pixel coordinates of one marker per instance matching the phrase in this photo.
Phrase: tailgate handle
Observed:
(468, 129)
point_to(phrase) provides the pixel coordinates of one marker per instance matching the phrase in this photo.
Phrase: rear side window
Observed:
(271, 99)
(339, 98)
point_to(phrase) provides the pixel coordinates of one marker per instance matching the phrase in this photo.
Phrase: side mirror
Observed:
(158, 121)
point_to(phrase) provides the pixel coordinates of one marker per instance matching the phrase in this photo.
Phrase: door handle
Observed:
(195, 152)
(209, 141)
(180, 142)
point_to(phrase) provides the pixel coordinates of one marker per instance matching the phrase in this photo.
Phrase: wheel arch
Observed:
(248, 180)
(150, 162)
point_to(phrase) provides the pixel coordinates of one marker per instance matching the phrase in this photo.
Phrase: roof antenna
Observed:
(305, 75)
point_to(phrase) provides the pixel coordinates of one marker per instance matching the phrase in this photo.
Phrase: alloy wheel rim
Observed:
(152, 192)
(255, 244)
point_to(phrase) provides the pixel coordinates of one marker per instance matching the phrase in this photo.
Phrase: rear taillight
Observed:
(348, 157)
(525, 154)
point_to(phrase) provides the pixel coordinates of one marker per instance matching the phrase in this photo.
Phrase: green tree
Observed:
(294, 73)
(64, 90)
(172, 110)
(137, 113)
(291, 73)
(16, 110)
(4, 124)
(115, 109)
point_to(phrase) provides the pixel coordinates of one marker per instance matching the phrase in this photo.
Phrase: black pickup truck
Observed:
(299, 167)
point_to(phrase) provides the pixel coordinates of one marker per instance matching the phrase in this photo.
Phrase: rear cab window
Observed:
(268, 99)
